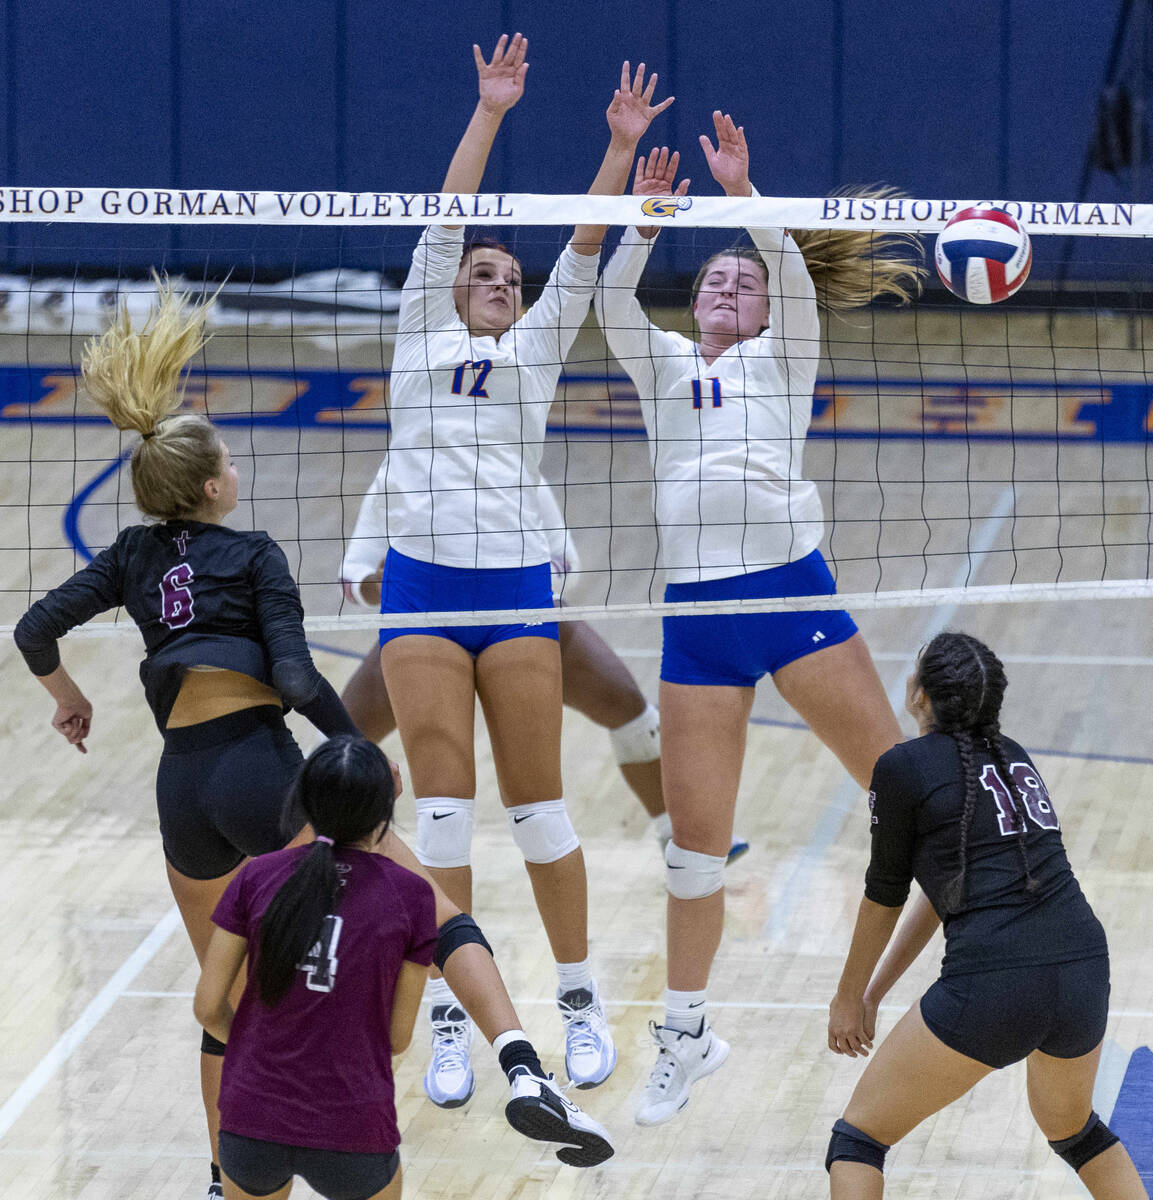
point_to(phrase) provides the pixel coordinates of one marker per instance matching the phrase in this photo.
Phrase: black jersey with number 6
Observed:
(917, 797)
(200, 594)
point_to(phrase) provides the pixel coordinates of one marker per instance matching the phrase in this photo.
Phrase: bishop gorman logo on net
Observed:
(665, 206)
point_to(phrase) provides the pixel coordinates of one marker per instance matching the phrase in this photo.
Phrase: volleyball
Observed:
(983, 255)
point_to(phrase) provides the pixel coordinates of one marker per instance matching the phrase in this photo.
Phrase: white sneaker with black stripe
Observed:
(682, 1059)
(449, 1081)
(589, 1052)
(541, 1111)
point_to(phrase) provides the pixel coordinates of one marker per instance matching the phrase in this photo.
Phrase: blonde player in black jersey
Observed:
(963, 810)
(225, 655)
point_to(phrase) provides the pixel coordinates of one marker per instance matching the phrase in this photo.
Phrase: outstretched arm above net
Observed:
(629, 116)
(500, 84)
(638, 345)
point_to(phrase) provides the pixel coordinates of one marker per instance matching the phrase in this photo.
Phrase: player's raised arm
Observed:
(629, 116)
(500, 83)
(638, 345)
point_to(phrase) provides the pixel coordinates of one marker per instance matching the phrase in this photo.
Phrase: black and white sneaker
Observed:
(215, 1191)
(541, 1111)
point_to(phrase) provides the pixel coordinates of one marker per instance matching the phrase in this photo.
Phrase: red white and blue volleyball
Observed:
(983, 255)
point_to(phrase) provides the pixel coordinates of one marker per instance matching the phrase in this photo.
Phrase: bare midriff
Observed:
(208, 693)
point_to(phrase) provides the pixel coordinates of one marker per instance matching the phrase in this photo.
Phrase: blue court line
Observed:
(72, 513)
(1132, 1119)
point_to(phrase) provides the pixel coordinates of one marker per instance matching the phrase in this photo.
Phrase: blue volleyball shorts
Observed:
(739, 649)
(410, 585)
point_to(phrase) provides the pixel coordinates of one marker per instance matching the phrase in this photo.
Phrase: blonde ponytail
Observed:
(136, 377)
(850, 268)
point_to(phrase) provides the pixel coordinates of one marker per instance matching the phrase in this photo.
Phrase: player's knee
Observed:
(850, 1144)
(1094, 1138)
(444, 831)
(457, 931)
(639, 740)
(690, 875)
(543, 831)
(211, 1045)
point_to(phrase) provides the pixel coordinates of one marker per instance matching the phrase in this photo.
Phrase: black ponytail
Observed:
(965, 683)
(345, 790)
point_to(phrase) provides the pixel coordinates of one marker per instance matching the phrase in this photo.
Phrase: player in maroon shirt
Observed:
(339, 938)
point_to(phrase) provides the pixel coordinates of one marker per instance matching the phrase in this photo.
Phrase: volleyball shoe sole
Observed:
(540, 1110)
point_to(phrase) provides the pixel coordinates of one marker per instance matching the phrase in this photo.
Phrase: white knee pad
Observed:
(443, 831)
(693, 876)
(543, 831)
(638, 741)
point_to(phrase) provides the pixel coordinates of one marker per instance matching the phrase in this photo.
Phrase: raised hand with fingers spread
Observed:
(501, 81)
(500, 84)
(632, 110)
(729, 159)
(629, 116)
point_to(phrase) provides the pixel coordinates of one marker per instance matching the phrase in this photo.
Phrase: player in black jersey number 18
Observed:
(1025, 975)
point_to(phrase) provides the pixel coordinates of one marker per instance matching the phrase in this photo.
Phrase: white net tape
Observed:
(167, 206)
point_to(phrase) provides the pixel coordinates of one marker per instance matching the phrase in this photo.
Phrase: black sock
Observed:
(215, 1172)
(519, 1058)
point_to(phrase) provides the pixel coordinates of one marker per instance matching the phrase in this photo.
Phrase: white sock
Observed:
(661, 828)
(685, 1011)
(507, 1038)
(571, 976)
(438, 991)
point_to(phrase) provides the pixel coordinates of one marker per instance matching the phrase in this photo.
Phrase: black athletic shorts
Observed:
(220, 790)
(1000, 1017)
(261, 1168)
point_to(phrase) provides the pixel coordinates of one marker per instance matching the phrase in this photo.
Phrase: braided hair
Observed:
(965, 683)
(345, 789)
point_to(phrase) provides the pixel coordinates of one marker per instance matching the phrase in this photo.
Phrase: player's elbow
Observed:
(206, 1010)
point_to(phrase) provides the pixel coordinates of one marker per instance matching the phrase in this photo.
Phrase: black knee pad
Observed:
(456, 932)
(209, 1045)
(849, 1144)
(1095, 1138)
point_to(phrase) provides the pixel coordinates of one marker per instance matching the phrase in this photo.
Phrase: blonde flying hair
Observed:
(849, 267)
(136, 377)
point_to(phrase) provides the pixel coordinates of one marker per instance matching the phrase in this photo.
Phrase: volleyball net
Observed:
(963, 454)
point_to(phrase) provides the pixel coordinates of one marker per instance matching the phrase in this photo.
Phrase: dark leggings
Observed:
(1001, 1016)
(261, 1168)
(220, 790)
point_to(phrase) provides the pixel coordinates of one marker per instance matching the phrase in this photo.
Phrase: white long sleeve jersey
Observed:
(368, 544)
(726, 439)
(460, 481)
